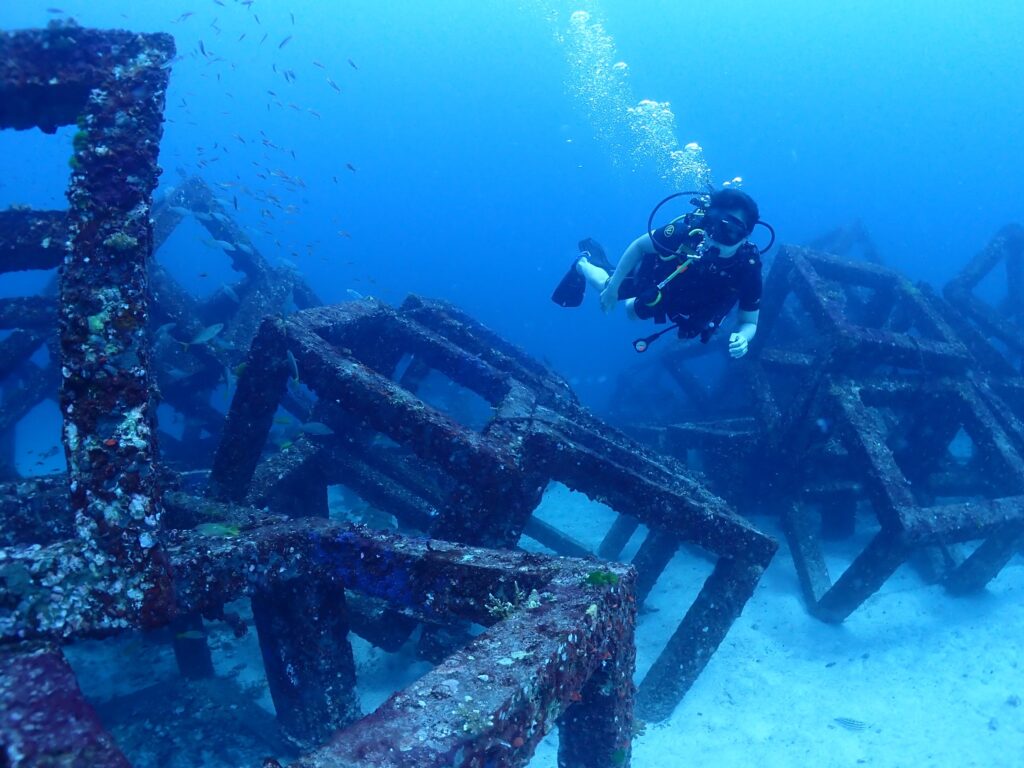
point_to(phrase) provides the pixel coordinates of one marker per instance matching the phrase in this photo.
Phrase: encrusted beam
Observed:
(32, 239)
(44, 718)
(910, 520)
(559, 647)
(112, 84)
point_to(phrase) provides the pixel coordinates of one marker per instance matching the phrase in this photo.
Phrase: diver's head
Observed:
(730, 217)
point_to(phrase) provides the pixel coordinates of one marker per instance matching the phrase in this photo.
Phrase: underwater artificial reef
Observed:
(864, 394)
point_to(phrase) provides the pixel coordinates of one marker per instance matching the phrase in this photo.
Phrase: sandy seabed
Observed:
(937, 681)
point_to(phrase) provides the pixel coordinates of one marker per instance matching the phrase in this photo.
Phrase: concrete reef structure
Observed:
(112, 84)
(186, 374)
(884, 410)
(992, 329)
(113, 546)
(44, 719)
(109, 548)
(561, 647)
(873, 394)
(365, 360)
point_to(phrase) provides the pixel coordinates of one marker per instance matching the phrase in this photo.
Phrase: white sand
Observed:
(933, 677)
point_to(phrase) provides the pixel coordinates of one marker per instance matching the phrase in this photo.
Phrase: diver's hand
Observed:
(737, 345)
(609, 296)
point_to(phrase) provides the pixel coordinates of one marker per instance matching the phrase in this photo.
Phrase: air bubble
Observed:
(639, 133)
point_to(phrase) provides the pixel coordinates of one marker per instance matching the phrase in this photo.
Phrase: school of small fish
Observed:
(270, 196)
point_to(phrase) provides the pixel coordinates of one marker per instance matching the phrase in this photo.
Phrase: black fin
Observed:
(596, 254)
(569, 292)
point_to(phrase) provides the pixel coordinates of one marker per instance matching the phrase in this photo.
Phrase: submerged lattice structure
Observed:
(895, 442)
(560, 647)
(992, 317)
(888, 418)
(112, 84)
(986, 294)
(477, 486)
(701, 398)
(886, 412)
(187, 374)
(109, 548)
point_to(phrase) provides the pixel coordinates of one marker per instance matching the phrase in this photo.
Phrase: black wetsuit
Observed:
(698, 299)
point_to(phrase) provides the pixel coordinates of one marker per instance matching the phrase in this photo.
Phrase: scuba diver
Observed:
(690, 272)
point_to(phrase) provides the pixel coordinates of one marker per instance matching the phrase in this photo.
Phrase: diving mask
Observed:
(724, 228)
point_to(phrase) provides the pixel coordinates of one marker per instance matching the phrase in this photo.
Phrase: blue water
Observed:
(456, 162)
(477, 171)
